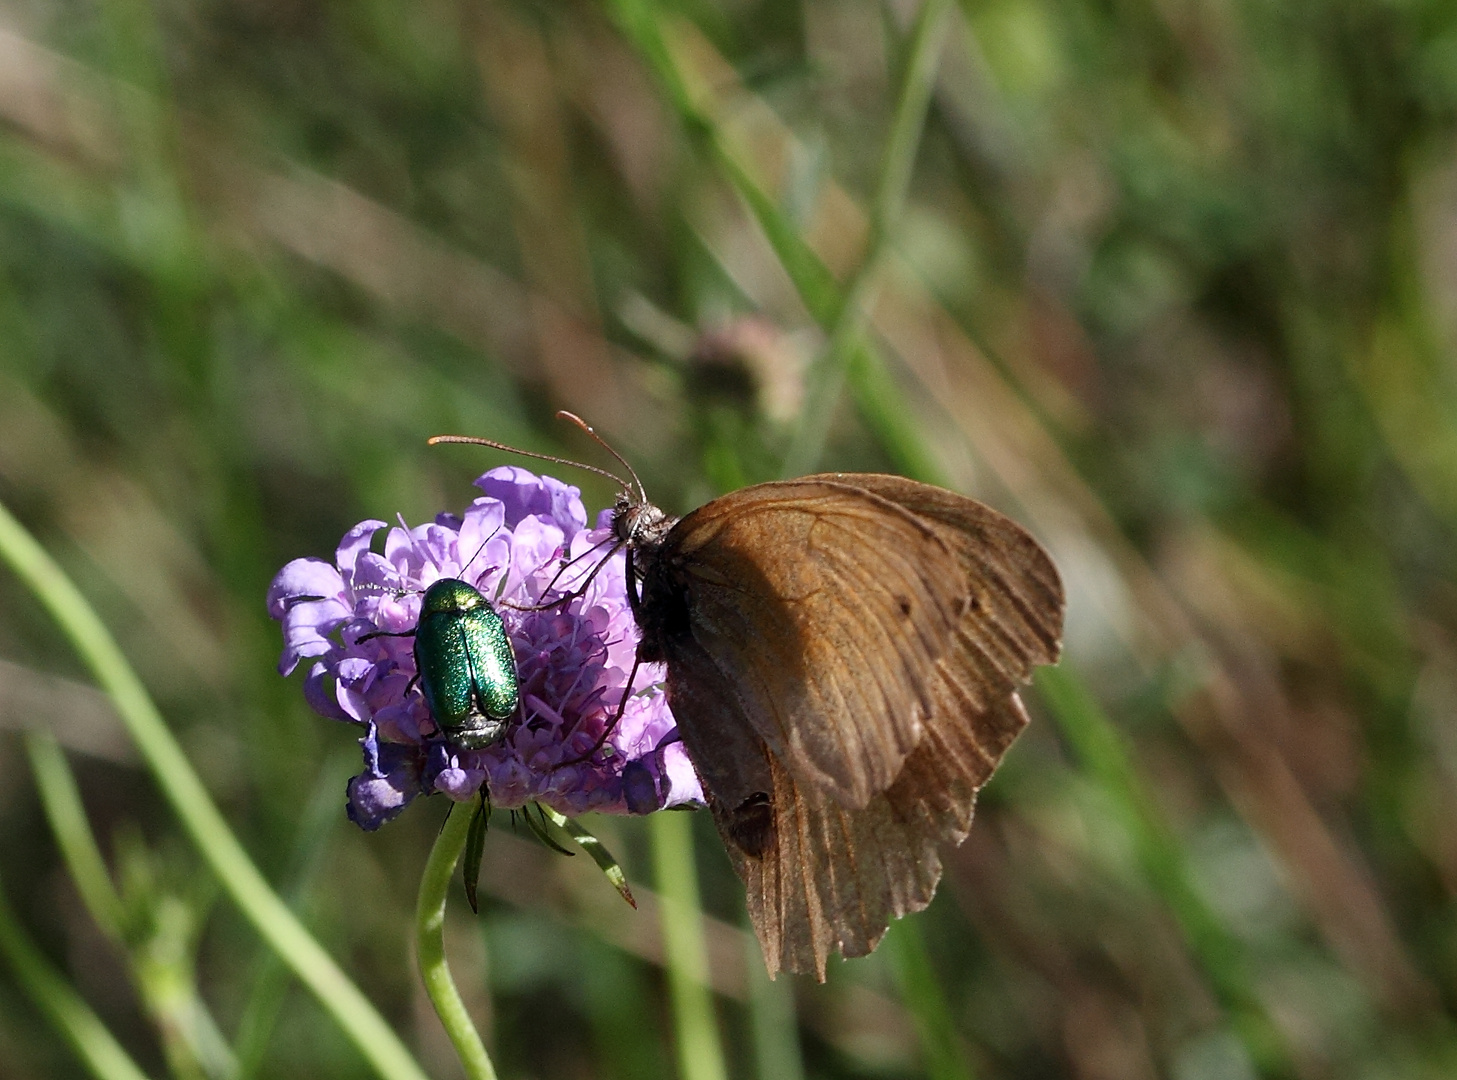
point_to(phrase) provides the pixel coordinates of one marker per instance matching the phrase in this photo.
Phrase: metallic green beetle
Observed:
(466, 668)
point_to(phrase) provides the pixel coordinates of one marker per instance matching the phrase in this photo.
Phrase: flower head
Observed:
(526, 547)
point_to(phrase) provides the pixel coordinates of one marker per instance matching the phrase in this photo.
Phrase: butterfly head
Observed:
(638, 523)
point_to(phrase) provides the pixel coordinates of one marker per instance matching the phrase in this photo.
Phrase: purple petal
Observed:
(305, 625)
(390, 781)
(535, 547)
(484, 546)
(684, 787)
(524, 494)
(373, 801)
(318, 695)
(640, 788)
(301, 578)
(449, 772)
(402, 553)
(356, 541)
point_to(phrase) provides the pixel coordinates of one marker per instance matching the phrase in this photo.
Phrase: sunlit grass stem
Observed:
(430, 945)
(700, 1054)
(826, 377)
(772, 1017)
(196, 811)
(61, 799)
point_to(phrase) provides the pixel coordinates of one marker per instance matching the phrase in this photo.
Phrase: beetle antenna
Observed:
(474, 440)
(642, 494)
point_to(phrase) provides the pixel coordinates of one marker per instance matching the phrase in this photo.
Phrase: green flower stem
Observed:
(700, 1055)
(196, 811)
(1101, 749)
(826, 379)
(430, 945)
(72, 1017)
(921, 992)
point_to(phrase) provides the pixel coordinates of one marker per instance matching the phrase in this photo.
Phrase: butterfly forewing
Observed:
(824, 605)
(1014, 619)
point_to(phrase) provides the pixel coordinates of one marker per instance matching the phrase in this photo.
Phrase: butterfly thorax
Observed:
(657, 599)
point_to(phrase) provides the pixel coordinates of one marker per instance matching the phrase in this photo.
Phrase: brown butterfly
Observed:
(843, 656)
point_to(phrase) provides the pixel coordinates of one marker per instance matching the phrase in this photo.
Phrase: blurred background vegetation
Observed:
(1173, 282)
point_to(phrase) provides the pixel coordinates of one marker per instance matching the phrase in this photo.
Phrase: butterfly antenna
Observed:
(473, 440)
(642, 494)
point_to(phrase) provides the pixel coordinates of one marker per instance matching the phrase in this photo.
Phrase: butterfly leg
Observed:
(634, 598)
(567, 598)
(612, 724)
(387, 633)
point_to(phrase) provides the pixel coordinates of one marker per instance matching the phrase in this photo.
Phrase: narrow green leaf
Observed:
(475, 846)
(61, 800)
(920, 989)
(540, 831)
(593, 847)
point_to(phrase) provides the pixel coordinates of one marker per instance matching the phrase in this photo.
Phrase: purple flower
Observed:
(526, 546)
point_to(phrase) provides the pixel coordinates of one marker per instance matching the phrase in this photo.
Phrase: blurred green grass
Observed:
(1175, 284)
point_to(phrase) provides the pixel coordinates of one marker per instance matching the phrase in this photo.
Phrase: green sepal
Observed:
(475, 846)
(540, 831)
(593, 847)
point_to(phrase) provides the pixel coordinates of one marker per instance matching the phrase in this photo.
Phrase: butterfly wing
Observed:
(794, 660)
(824, 606)
(836, 878)
(1013, 618)
(821, 878)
